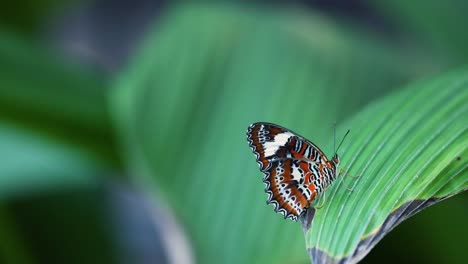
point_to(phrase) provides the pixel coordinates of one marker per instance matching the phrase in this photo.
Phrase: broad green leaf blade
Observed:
(33, 164)
(184, 106)
(435, 23)
(46, 93)
(51, 201)
(410, 151)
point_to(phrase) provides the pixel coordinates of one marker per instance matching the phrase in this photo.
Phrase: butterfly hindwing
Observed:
(293, 167)
(284, 184)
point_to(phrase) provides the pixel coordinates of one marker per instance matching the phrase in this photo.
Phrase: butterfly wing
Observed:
(293, 167)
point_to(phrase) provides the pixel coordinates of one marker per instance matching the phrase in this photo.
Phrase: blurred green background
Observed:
(122, 123)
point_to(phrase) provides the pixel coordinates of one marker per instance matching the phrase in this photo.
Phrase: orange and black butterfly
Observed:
(295, 169)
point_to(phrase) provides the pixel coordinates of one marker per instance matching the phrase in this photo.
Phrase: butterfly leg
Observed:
(347, 187)
(347, 174)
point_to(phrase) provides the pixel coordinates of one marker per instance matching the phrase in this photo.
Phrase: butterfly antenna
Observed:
(334, 137)
(342, 141)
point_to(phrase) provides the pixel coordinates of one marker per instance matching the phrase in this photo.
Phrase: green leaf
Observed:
(410, 151)
(30, 17)
(34, 164)
(55, 97)
(432, 22)
(184, 105)
(52, 205)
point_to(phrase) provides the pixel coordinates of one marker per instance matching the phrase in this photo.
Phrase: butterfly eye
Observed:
(336, 159)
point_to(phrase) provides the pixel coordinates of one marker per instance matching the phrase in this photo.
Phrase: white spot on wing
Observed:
(296, 174)
(271, 147)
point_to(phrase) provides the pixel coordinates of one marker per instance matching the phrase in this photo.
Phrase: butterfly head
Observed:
(336, 160)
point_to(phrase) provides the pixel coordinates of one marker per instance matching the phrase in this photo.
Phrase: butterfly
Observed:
(295, 170)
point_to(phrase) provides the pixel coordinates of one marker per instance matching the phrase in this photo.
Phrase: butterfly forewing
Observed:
(295, 170)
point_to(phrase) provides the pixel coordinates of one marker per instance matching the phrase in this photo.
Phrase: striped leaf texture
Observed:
(409, 151)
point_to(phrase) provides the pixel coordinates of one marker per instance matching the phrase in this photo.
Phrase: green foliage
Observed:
(183, 110)
(50, 202)
(435, 24)
(29, 16)
(180, 111)
(52, 96)
(55, 149)
(409, 153)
